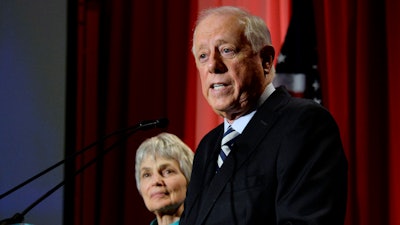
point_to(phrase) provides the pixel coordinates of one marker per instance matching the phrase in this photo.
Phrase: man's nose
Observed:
(216, 65)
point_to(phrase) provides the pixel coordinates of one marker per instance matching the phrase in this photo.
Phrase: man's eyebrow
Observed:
(217, 43)
(220, 42)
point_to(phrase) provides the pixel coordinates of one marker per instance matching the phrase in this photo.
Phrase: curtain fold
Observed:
(132, 59)
(356, 45)
(393, 56)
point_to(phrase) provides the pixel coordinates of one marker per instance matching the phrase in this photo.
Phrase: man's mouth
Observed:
(217, 86)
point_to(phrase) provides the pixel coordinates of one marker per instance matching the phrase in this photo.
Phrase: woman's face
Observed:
(162, 185)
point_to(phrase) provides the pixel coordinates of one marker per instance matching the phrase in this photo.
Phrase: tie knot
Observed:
(229, 136)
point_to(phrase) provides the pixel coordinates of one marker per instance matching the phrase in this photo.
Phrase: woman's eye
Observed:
(144, 175)
(168, 172)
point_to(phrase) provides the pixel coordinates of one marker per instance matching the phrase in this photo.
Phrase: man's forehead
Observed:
(219, 30)
(218, 20)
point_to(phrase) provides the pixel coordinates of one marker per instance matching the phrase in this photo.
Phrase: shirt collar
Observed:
(240, 123)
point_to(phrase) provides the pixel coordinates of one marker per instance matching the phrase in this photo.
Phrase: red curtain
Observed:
(392, 35)
(133, 62)
(358, 45)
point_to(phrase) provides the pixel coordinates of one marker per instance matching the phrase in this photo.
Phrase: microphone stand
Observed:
(144, 125)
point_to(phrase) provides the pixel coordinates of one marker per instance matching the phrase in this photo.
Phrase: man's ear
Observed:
(267, 54)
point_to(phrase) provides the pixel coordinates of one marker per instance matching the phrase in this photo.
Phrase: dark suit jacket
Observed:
(287, 167)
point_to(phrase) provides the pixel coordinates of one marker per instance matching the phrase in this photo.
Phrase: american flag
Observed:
(297, 63)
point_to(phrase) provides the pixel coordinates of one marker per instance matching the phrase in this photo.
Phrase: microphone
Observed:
(143, 125)
(148, 124)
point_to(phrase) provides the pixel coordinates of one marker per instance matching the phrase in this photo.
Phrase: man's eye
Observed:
(227, 52)
(202, 57)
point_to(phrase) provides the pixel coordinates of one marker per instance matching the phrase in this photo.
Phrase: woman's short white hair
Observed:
(167, 146)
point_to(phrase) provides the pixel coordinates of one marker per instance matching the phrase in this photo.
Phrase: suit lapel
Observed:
(254, 132)
(207, 170)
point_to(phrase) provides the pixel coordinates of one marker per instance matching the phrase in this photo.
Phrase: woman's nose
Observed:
(157, 180)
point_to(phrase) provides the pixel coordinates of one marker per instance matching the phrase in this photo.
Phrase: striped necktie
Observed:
(227, 142)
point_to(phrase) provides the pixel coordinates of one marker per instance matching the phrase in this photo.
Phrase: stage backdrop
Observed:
(131, 60)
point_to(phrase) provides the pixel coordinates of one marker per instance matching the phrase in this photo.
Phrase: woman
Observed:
(162, 170)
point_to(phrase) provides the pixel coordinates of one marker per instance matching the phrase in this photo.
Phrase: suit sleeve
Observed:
(311, 170)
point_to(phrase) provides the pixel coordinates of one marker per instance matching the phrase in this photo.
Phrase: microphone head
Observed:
(162, 123)
(149, 124)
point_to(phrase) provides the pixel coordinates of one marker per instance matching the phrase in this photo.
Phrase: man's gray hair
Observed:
(255, 29)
